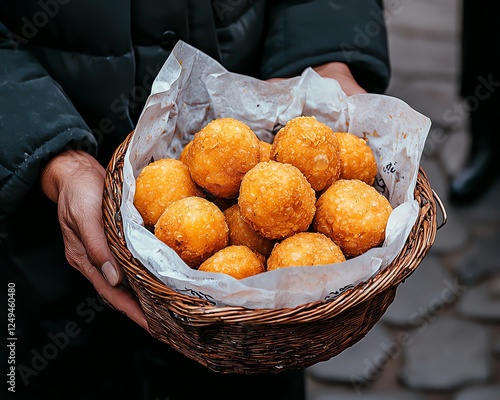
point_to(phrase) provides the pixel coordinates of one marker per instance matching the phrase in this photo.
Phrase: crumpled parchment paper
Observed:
(191, 90)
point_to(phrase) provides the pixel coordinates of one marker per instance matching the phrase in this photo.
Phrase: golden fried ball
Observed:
(159, 184)
(312, 147)
(276, 200)
(238, 261)
(304, 249)
(184, 152)
(357, 158)
(353, 214)
(194, 227)
(241, 233)
(265, 150)
(220, 154)
(223, 204)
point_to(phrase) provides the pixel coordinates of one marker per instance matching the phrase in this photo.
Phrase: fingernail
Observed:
(110, 273)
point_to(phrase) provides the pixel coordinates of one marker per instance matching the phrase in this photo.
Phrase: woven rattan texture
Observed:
(241, 340)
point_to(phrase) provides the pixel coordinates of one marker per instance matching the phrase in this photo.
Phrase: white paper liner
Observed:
(191, 90)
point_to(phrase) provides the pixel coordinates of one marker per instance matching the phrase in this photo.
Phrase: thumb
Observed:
(93, 238)
(100, 256)
(112, 272)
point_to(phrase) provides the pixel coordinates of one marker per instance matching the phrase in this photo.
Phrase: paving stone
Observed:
(428, 290)
(358, 364)
(448, 145)
(480, 260)
(418, 90)
(435, 175)
(444, 53)
(453, 147)
(447, 354)
(487, 208)
(478, 302)
(453, 236)
(491, 392)
(454, 352)
(425, 17)
(344, 395)
(494, 286)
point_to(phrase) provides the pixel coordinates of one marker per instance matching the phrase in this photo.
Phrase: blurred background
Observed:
(440, 338)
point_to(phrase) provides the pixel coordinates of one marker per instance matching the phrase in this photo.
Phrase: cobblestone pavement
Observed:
(440, 338)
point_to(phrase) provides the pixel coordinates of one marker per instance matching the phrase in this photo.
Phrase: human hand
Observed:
(341, 73)
(75, 181)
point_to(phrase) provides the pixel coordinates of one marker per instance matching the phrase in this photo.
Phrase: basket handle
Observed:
(442, 208)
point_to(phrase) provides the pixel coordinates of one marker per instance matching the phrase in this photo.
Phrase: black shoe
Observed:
(474, 180)
(483, 163)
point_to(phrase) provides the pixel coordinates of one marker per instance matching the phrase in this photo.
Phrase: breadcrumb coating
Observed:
(353, 214)
(276, 200)
(357, 158)
(220, 154)
(237, 261)
(184, 152)
(312, 147)
(304, 249)
(194, 228)
(265, 151)
(241, 233)
(161, 183)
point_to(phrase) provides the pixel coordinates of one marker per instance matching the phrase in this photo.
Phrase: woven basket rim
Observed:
(199, 312)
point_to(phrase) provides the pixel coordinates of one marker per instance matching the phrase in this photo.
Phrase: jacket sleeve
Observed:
(37, 121)
(309, 33)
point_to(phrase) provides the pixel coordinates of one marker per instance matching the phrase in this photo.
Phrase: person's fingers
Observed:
(75, 180)
(119, 297)
(275, 79)
(349, 86)
(85, 220)
(98, 252)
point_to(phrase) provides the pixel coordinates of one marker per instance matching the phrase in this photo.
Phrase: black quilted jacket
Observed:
(78, 72)
(81, 70)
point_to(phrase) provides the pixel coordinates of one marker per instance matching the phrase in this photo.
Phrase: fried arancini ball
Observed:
(304, 249)
(238, 261)
(159, 184)
(265, 150)
(220, 154)
(353, 214)
(276, 200)
(241, 233)
(312, 147)
(194, 228)
(223, 204)
(184, 152)
(357, 158)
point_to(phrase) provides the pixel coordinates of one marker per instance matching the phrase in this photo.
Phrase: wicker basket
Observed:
(236, 339)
